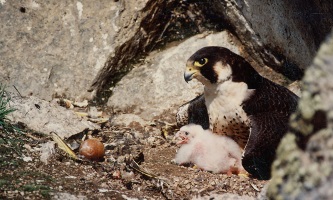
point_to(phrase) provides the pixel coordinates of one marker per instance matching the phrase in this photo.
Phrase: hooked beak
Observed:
(190, 71)
(188, 76)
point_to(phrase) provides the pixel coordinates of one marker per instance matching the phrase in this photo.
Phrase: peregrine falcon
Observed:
(241, 104)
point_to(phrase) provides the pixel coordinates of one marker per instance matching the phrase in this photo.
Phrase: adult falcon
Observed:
(241, 104)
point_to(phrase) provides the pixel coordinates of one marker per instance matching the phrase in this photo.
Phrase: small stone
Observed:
(27, 158)
(138, 135)
(212, 183)
(94, 113)
(116, 174)
(188, 186)
(121, 159)
(82, 104)
(27, 146)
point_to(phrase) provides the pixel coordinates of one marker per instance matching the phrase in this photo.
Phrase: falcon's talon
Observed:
(245, 175)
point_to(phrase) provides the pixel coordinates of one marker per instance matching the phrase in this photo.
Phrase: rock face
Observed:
(56, 47)
(67, 48)
(279, 34)
(158, 86)
(303, 169)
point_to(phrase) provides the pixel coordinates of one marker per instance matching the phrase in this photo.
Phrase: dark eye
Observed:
(186, 133)
(202, 61)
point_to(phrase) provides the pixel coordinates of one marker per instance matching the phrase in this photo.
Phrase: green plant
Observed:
(5, 125)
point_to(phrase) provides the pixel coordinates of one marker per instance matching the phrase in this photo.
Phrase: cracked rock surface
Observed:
(303, 169)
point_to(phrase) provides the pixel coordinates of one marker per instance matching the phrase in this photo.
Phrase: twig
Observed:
(17, 91)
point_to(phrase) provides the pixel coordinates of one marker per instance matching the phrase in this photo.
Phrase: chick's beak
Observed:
(180, 138)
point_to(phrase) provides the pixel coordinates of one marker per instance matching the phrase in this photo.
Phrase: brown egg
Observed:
(92, 149)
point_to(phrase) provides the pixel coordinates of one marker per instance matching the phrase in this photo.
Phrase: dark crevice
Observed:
(22, 9)
(288, 68)
(319, 122)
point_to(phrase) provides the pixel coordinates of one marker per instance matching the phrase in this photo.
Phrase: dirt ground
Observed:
(25, 175)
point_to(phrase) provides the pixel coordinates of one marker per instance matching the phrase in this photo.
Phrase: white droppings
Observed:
(46, 151)
(79, 7)
(91, 39)
(33, 5)
(105, 36)
(72, 31)
(105, 43)
(95, 49)
(2, 2)
(113, 8)
(107, 47)
(100, 62)
(103, 190)
(26, 158)
(114, 22)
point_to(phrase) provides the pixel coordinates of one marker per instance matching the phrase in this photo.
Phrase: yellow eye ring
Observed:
(200, 62)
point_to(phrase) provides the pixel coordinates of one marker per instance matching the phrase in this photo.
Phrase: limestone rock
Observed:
(66, 48)
(303, 168)
(51, 48)
(127, 120)
(279, 33)
(45, 117)
(157, 88)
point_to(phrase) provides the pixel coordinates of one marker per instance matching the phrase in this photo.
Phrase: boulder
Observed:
(303, 168)
(45, 117)
(283, 35)
(56, 48)
(157, 88)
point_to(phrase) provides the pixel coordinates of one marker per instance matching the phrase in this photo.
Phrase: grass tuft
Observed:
(5, 109)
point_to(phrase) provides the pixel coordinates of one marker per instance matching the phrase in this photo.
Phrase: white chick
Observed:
(211, 152)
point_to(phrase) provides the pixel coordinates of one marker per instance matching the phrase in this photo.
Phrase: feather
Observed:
(134, 165)
(62, 145)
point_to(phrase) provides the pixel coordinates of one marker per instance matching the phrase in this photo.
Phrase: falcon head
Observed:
(188, 133)
(213, 64)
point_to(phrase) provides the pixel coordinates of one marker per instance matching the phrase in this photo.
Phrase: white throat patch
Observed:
(224, 72)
